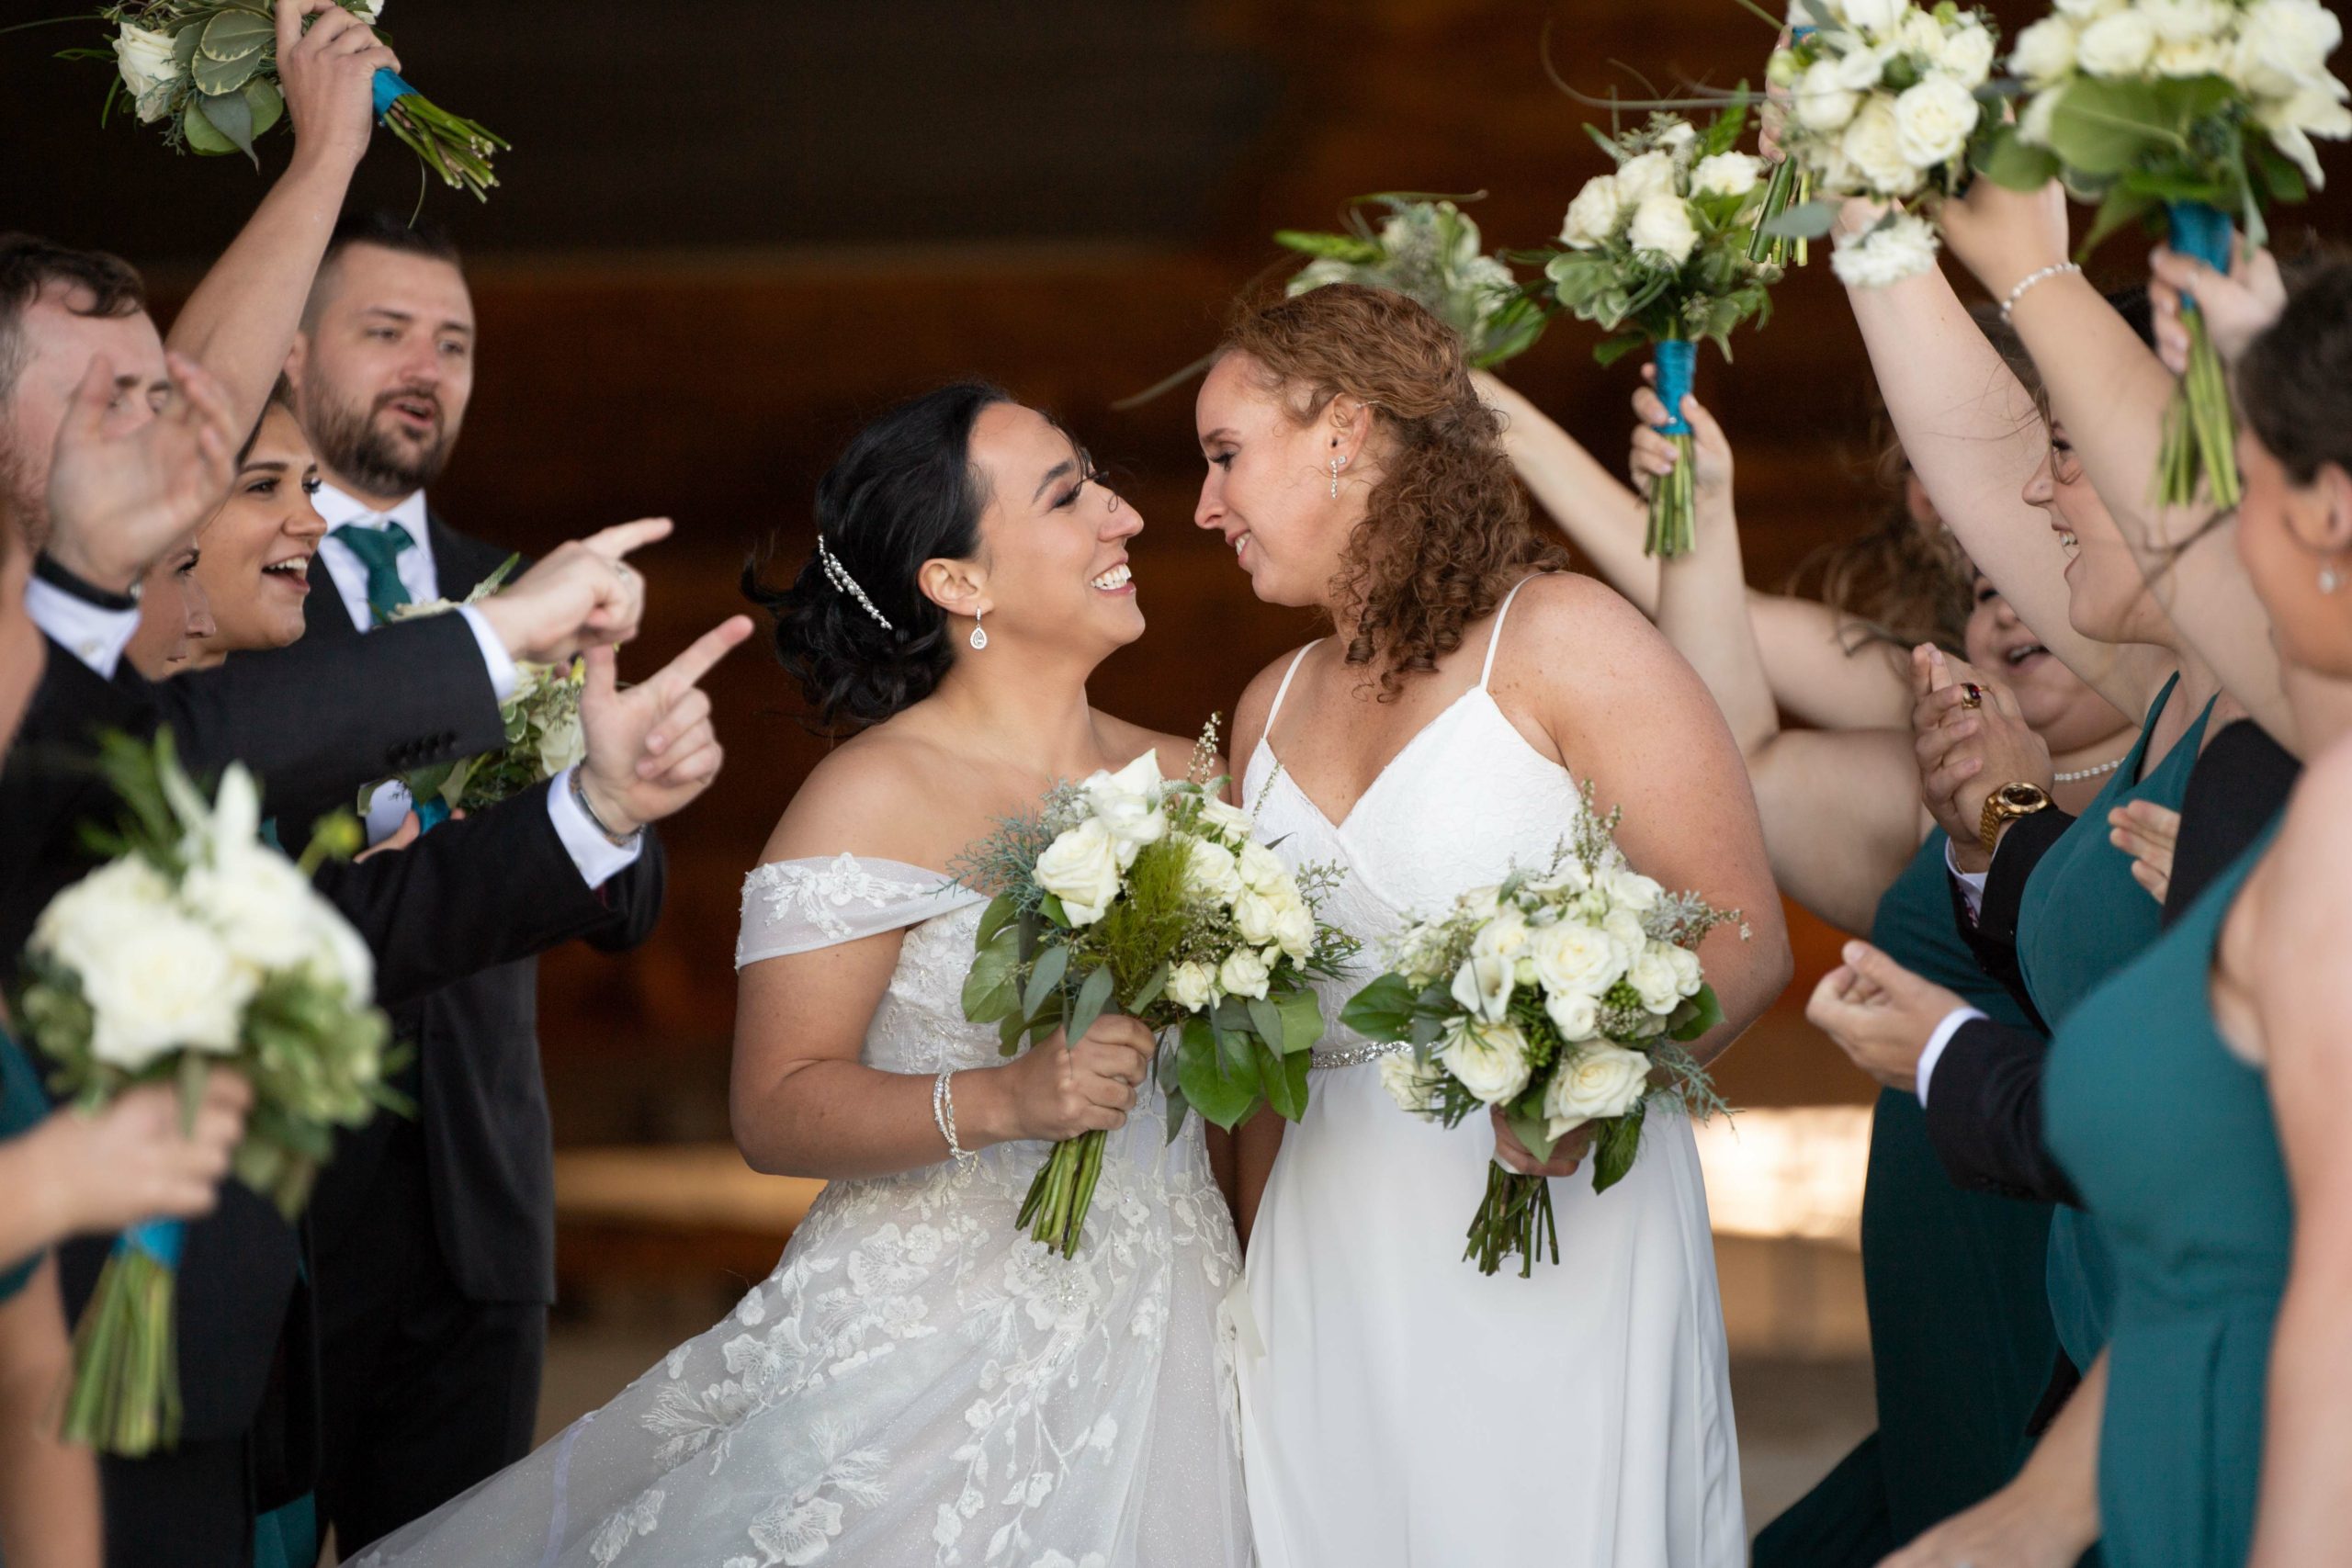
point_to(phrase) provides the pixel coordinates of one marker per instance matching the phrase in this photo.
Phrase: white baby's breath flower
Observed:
(1873, 143)
(1901, 246)
(1933, 119)
(2117, 46)
(1489, 1060)
(1822, 104)
(1600, 1081)
(1192, 986)
(1244, 973)
(1727, 174)
(1640, 179)
(1081, 869)
(1592, 216)
(1662, 228)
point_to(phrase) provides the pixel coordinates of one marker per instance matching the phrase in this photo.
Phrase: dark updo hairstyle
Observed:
(903, 492)
(2295, 380)
(1445, 533)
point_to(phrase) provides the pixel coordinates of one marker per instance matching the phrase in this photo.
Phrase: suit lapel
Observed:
(324, 613)
(459, 563)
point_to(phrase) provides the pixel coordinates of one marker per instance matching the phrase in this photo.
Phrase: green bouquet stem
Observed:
(2200, 433)
(1055, 1211)
(455, 148)
(126, 1395)
(1673, 505)
(1514, 1220)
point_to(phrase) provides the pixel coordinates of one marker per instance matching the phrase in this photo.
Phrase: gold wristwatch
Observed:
(2007, 804)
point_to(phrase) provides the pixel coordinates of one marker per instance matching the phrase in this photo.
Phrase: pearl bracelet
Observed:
(943, 1114)
(2029, 279)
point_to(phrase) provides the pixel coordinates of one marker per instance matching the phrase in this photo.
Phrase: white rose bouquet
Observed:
(543, 733)
(2192, 114)
(1660, 252)
(1561, 996)
(1884, 99)
(1131, 892)
(1430, 251)
(206, 71)
(198, 944)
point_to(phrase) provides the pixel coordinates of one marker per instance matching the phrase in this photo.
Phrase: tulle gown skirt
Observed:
(916, 1384)
(1399, 1409)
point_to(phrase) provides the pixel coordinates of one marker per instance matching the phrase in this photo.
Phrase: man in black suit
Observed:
(434, 1239)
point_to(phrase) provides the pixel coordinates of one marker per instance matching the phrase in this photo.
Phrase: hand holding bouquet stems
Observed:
(1428, 250)
(196, 946)
(1132, 894)
(2192, 118)
(209, 72)
(1558, 1001)
(1661, 253)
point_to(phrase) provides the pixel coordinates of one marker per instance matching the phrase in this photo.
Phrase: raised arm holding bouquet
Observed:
(1428, 250)
(1132, 894)
(1659, 252)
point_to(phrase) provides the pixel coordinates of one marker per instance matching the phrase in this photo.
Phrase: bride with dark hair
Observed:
(918, 1381)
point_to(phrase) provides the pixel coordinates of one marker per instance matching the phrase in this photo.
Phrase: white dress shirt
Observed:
(598, 858)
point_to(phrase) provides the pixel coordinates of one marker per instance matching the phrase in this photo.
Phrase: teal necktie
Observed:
(379, 551)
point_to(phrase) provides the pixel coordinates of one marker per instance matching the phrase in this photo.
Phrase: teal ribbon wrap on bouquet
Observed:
(2200, 232)
(2199, 456)
(431, 814)
(1678, 366)
(158, 1239)
(390, 90)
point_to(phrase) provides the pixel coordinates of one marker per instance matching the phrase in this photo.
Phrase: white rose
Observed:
(1640, 179)
(2284, 44)
(563, 744)
(1576, 1018)
(1821, 103)
(1081, 869)
(367, 10)
(1243, 973)
(1127, 802)
(262, 906)
(1262, 870)
(2119, 45)
(2294, 121)
(1593, 215)
(1480, 903)
(1210, 871)
(1294, 930)
(338, 955)
(1873, 143)
(1140, 777)
(1727, 174)
(1656, 978)
(2088, 10)
(1409, 1086)
(1230, 820)
(2187, 21)
(1932, 120)
(1858, 71)
(1483, 986)
(1574, 960)
(2044, 51)
(2033, 125)
(1901, 246)
(1873, 17)
(2197, 57)
(148, 69)
(1600, 1081)
(1490, 1060)
(168, 982)
(1503, 934)
(1625, 925)
(1629, 889)
(1192, 986)
(1967, 53)
(1687, 975)
(1677, 138)
(1662, 228)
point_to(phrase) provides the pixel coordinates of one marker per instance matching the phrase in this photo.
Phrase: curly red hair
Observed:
(1445, 532)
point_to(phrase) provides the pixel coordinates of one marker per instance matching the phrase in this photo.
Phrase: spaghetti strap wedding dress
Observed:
(1400, 1409)
(918, 1383)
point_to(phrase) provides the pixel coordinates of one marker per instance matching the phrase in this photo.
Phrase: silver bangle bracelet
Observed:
(943, 1113)
(2030, 278)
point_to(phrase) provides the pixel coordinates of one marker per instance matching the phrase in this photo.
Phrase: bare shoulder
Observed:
(1130, 740)
(1257, 697)
(1566, 629)
(2314, 850)
(877, 794)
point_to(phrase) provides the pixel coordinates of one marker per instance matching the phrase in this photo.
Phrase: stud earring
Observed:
(979, 634)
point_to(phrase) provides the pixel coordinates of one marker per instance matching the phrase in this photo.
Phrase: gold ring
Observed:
(1972, 695)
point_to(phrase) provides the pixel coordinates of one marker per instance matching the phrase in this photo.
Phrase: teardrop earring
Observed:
(979, 634)
(1337, 464)
(2330, 579)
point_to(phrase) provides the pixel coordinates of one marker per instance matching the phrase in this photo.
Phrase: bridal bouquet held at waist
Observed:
(197, 945)
(543, 733)
(207, 71)
(1561, 996)
(1152, 898)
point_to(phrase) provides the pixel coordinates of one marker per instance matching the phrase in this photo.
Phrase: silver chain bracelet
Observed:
(943, 1112)
(2043, 275)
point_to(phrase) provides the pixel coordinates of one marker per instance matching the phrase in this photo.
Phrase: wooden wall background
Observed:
(733, 229)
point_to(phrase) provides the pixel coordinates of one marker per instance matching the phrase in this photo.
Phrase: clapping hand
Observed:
(2150, 834)
(1566, 1155)
(2237, 306)
(1970, 739)
(122, 494)
(651, 747)
(582, 595)
(327, 60)
(1880, 1014)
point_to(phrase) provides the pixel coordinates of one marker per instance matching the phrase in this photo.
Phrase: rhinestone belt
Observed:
(1355, 1056)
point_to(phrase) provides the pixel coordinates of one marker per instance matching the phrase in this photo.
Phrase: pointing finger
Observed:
(619, 540)
(690, 667)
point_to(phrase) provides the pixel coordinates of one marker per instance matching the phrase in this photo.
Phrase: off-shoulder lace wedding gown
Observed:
(918, 1383)
(1402, 1410)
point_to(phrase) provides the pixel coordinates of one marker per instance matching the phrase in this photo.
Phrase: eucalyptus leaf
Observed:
(1806, 221)
(1093, 997)
(232, 117)
(1266, 1019)
(1152, 987)
(1528, 1128)
(202, 135)
(1052, 963)
(1332, 247)
(1301, 1022)
(1001, 911)
(1177, 1106)
(1285, 1081)
(989, 993)
(1218, 1088)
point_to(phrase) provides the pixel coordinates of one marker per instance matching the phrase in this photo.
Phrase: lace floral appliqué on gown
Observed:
(917, 1382)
